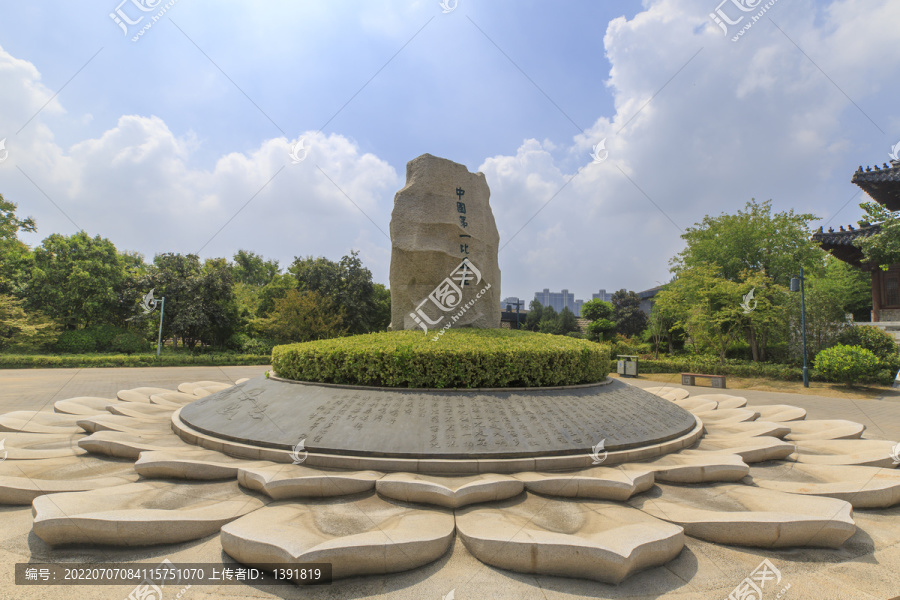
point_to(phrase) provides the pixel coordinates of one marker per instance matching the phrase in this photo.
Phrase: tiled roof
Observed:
(882, 184)
(840, 243)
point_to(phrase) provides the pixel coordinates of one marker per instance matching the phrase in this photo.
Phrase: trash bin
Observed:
(627, 365)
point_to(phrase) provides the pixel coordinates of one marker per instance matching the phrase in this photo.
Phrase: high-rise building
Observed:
(559, 300)
(602, 296)
(512, 301)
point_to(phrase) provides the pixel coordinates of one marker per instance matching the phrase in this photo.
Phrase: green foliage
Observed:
(348, 284)
(243, 343)
(847, 364)
(21, 331)
(630, 320)
(129, 342)
(252, 269)
(700, 363)
(75, 279)
(535, 313)
(30, 361)
(103, 336)
(303, 317)
(876, 340)
(883, 248)
(76, 341)
(596, 309)
(466, 358)
(601, 330)
(753, 239)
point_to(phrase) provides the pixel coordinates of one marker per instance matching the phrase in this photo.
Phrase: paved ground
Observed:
(865, 568)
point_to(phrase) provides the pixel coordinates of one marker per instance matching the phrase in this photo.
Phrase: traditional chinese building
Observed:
(883, 186)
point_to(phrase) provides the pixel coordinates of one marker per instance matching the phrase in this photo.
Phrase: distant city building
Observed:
(602, 296)
(559, 300)
(511, 301)
(647, 297)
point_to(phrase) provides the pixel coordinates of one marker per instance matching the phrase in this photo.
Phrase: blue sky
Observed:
(156, 144)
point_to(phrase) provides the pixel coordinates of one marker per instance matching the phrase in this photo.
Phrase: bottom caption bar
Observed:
(155, 576)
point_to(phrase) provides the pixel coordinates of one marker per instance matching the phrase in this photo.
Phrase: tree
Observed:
(348, 284)
(382, 307)
(599, 313)
(15, 256)
(76, 279)
(883, 248)
(848, 286)
(303, 317)
(533, 319)
(23, 331)
(630, 320)
(752, 240)
(252, 269)
(567, 322)
(549, 320)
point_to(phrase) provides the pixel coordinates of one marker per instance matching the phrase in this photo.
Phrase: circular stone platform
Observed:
(455, 431)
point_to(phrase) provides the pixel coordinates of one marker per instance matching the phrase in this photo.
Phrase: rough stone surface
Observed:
(23, 481)
(863, 453)
(120, 444)
(747, 429)
(366, 536)
(779, 413)
(297, 481)
(428, 244)
(39, 446)
(863, 487)
(691, 466)
(672, 394)
(750, 449)
(196, 464)
(727, 416)
(747, 516)
(140, 514)
(29, 421)
(829, 429)
(84, 405)
(449, 492)
(588, 539)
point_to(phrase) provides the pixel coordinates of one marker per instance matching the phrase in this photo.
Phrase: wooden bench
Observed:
(717, 381)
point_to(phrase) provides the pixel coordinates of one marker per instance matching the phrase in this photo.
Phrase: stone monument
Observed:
(444, 245)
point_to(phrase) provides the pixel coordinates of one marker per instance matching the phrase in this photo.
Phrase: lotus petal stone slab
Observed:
(750, 449)
(38, 446)
(146, 412)
(126, 445)
(863, 453)
(747, 429)
(241, 380)
(834, 429)
(23, 481)
(84, 405)
(863, 487)
(779, 412)
(141, 394)
(678, 393)
(31, 421)
(198, 464)
(588, 539)
(599, 483)
(296, 481)
(140, 514)
(691, 466)
(173, 400)
(449, 492)
(742, 515)
(110, 422)
(724, 400)
(362, 536)
(727, 416)
(696, 404)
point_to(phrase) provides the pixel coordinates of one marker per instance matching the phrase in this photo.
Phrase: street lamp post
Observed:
(162, 310)
(797, 284)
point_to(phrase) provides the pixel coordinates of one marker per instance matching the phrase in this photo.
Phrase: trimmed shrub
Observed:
(103, 336)
(237, 341)
(463, 358)
(77, 341)
(847, 364)
(129, 343)
(877, 341)
(21, 361)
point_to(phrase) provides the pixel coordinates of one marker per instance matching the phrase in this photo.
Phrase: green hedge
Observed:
(28, 361)
(740, 368)
(463, 358)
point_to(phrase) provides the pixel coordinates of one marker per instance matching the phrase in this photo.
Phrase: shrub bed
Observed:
(463, 358)
(30, 361)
